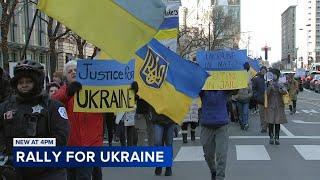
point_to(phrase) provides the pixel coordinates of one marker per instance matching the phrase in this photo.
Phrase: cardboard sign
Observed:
(105, 86)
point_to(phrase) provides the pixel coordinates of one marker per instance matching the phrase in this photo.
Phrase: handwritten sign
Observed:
(222, 60)
(104, 99)
(226, 69)
(226, 80)
(104, 72)
(105, 86)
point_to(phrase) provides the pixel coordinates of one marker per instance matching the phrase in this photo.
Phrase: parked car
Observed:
(317, 86)
(315, 79)
(309, 78)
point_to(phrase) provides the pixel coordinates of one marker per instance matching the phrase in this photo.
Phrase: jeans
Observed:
(163, 134)
(215, 143)
(243, 109)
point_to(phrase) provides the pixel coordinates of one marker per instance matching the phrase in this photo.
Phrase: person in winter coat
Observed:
(243, 99)
(86, 128)
(258, 88)
(5, 88)
(275, 114)
(31, 114)
(293, 89)
(214, 136)
(192, 119)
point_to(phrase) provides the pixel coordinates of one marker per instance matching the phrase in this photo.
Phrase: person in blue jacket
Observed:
(214, 136)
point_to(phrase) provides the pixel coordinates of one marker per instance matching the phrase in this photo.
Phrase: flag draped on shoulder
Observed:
(118, 27)
(166, 81)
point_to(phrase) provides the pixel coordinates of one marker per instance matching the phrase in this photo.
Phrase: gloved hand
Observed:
(73, 88)
(135, 87)
(246, 66)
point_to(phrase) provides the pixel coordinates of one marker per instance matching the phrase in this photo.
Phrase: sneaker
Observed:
(263, 131)
(158, 171)
(277, 142)
(168, 171)
(246, 127)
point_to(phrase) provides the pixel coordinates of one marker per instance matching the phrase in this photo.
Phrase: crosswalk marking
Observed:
(190, 153)
(252, 152)
(309, 152)
(246, 153)
(310, 111)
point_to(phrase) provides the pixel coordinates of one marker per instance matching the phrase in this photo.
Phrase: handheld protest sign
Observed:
(226, 68)
(105, 86)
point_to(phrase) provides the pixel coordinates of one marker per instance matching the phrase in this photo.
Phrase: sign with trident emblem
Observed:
(154, 69)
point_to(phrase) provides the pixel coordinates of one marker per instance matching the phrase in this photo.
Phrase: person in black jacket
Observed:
(5, 89)
(30, 113)
(258, 88)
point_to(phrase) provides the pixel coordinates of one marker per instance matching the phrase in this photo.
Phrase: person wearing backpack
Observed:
(32, 114)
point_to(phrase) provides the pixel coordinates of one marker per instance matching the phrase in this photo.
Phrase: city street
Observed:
(250, 156)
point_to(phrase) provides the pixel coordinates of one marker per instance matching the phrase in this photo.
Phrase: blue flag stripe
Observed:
(170, 23)
(185, 76)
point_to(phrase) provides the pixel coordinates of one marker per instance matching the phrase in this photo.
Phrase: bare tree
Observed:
(81, 43)
(8, 7)
(219, 33)
(222, 32)
(55, 32)
(190, 39)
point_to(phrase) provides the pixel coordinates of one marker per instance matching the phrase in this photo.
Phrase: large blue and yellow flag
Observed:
(166, 81)
(119, 27)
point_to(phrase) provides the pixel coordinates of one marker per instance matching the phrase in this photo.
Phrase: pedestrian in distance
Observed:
(5, 88)
(52, 88)
(31, 113)
(191, 119)
(293, 89)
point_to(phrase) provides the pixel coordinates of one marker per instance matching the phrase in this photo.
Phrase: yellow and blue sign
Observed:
(105, 86)
(166, 81)
(225, 67)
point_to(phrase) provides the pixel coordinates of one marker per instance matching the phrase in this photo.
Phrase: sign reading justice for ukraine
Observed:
(225, 67)
(105, 86)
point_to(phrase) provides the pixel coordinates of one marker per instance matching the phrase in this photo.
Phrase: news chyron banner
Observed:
(105, 86)
(42, 152)
(226, 69)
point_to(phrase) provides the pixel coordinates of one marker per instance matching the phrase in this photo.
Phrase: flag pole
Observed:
(24, 54)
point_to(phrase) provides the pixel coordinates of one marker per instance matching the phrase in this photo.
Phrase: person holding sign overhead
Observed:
(86, 128)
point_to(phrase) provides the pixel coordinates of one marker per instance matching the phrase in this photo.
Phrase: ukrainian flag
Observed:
(166, 81)
(254, 67)
(118, 27)
(168, 31)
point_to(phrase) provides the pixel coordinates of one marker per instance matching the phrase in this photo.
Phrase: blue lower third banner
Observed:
(92, 156)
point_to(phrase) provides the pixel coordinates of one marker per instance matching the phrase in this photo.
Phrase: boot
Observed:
(271, 135)
(271, 141)
(158, 171)
(168, 171)
(193, 134)
(277, 132)
(184, 138)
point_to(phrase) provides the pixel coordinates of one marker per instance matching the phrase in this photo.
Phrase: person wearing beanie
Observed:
(32, 114)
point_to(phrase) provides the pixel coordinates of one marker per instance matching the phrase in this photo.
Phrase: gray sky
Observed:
(263, 19)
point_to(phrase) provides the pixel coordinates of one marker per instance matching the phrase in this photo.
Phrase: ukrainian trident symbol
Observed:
(154, 69)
